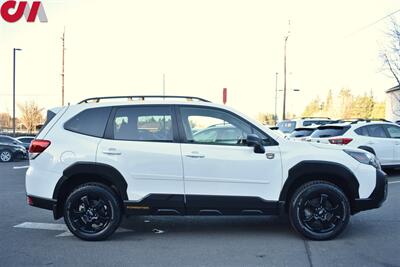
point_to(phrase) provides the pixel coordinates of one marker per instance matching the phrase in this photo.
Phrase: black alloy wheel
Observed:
(319, 210)
(92, 212)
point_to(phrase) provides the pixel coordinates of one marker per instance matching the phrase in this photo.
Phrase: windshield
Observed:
(286, 126)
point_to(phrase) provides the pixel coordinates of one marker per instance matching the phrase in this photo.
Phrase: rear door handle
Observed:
(111, 151)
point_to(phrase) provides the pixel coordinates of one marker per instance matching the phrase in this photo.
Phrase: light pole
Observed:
(14, 52)
(284, 79)
(276, 97)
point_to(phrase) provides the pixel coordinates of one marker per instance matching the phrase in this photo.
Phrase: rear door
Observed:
(379, 140)
(394, 134)
(141, 144)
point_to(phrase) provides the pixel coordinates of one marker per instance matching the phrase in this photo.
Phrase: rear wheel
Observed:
(92, 212)
(319, 210)
(6, 156)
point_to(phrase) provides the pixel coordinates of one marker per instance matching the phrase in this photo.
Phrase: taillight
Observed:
(340, 141)
(38, 146)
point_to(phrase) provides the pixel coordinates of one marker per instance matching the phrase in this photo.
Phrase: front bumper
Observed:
(377, 197)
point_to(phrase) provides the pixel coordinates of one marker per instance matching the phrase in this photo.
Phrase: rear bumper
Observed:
(377, 197)
(43, 203)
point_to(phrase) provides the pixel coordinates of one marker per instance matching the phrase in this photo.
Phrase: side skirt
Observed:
(166, 204)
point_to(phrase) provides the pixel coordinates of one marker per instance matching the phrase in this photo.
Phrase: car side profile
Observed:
(94, 162)
(381, 138)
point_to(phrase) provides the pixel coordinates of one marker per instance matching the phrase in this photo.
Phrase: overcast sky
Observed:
(124, 47)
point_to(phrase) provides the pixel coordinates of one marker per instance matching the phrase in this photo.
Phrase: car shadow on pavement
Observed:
(194, 225)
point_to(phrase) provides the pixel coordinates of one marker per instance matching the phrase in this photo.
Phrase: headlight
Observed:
(364, 157)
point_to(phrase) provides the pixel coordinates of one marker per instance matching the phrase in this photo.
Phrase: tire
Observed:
(319, 210)
(92, 212)
(6, 156)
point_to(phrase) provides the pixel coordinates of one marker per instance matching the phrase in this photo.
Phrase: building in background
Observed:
(393, 103)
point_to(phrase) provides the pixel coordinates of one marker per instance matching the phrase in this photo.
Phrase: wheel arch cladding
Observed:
(84, 172)
(307, 171)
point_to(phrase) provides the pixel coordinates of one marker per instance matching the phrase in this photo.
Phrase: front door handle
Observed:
(111, 151)
(195, 156)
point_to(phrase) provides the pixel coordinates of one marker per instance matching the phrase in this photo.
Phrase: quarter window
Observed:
(143, 124)
(89, 122)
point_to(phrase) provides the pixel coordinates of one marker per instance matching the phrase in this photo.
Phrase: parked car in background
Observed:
(288, 126)
(381, 138)
(302, 132)
(10, 152)
(26, 140)
(219, 133)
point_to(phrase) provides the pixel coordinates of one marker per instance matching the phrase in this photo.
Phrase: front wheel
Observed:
(92, 212)
(319, 210)
(6, 156)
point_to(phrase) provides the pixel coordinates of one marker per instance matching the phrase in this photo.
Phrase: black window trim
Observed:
(182, 134)
(109, 131)
(95, 136)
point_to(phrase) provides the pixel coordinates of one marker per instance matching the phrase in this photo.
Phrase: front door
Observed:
(221, 173)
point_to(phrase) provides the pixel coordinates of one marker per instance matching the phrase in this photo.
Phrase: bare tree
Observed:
(391, 53)
(31, 115)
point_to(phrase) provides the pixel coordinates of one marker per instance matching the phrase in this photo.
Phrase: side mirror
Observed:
(256, 142)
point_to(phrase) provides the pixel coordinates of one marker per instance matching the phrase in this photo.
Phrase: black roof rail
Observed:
(140, 97)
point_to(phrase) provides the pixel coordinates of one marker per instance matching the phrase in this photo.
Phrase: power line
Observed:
(372, 24)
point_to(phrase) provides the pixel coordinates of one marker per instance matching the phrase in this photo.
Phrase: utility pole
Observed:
(284, 75)
(276, 97)
(62, 69)
(163, 84)
(14, 50)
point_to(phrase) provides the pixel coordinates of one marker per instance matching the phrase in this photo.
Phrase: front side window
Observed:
(394, 131)
(143, 124)
(212, 126)
(89, 122)
(362, 131)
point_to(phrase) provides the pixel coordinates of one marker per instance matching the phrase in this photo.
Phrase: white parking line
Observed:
(56, 227)
(43, 226)
(20, 167)
(394, 182)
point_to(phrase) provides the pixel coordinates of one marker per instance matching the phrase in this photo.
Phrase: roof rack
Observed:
(315, 118)
(141, 97)
(357, 120)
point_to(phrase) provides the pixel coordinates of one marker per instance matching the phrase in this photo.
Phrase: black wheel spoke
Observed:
(323, 200)
(85, 201)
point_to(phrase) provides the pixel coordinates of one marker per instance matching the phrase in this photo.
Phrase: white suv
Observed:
(96, 161)
(381, 138)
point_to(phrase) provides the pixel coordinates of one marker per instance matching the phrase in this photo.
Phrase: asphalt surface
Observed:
(371, 239)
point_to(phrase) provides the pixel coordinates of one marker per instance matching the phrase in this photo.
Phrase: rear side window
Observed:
(376, 131)
(143, 124)
(322, 132)
(89, 122)
(301, 133)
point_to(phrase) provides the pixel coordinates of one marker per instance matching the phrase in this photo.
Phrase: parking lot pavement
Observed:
(29, 236)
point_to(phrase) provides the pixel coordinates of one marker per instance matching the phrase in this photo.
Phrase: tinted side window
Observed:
(362, 131)
(143, 124)
(393, 131)
(230, 130)
(89, 122)
(377, 131)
